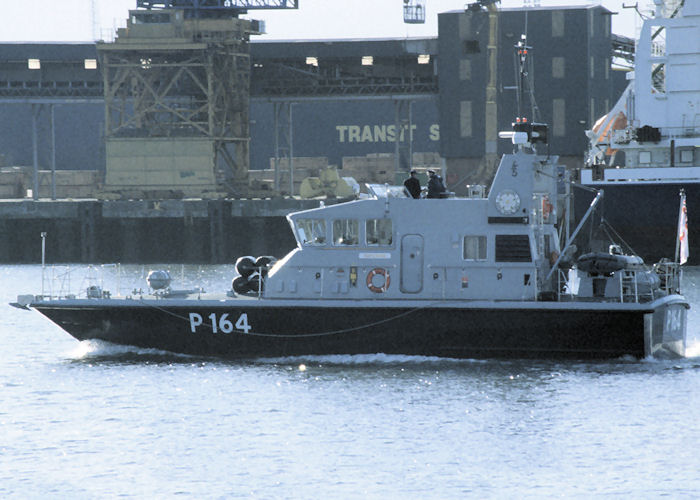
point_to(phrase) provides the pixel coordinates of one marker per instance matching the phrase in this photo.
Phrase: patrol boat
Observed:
(452, 277)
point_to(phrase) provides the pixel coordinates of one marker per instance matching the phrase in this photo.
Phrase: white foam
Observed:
(692, 349)
(100, 348)
(363, 359)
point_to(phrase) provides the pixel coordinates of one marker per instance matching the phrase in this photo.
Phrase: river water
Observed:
(91, 420)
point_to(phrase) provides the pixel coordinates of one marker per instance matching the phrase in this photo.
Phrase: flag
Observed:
(683, 230)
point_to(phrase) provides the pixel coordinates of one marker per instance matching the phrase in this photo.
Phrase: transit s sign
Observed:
(383, 133)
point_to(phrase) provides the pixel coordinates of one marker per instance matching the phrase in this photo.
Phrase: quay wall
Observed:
(167, 231)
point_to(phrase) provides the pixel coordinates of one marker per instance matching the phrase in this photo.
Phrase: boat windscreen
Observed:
(311, 231)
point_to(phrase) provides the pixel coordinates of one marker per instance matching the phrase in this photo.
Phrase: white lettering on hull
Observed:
(220, 324)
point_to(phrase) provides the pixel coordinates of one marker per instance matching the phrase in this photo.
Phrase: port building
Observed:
(348, 98)
(374, 108)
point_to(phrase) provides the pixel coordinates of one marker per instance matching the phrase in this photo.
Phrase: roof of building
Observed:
(538, 8)
(47, 51)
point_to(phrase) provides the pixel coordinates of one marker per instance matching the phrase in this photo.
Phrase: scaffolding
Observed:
(168, 77)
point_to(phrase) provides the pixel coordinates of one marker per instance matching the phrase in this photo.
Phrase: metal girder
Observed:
(219, 5)
(169, 93)
(50, 90)
(37, 109)
(403, 121)
(346, 87)
(278, 79)
(284, 143)
(182, 91)
(623, 48)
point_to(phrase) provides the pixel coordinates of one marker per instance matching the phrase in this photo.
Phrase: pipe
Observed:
(595, 201)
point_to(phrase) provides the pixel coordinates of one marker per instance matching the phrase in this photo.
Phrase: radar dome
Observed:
(159, 279)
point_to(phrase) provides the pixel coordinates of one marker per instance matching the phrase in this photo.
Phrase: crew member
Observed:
(435, 185)
(412, 185)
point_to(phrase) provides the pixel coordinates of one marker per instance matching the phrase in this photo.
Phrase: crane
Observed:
(217, 8)
(414, 11)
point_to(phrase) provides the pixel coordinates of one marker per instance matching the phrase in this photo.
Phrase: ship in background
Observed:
(647, 148)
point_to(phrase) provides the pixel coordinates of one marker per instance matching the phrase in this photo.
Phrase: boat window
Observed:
(474, 248)
(378, 232)
(346, 232)
(513, 248)
(311, 231)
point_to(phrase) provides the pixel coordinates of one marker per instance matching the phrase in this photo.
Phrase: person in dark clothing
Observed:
(435, 185)
(412, 185)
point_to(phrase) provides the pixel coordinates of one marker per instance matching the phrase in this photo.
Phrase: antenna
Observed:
(43, 262)
(95, 18)
(524, 69)
(521, 49)
(526, 133)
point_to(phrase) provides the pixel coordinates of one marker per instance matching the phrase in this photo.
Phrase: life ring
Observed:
(370, 280)
(547, 209)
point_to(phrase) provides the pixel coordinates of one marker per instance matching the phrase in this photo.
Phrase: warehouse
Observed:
(350, 97)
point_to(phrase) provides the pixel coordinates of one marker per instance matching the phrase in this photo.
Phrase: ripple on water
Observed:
(76, 419)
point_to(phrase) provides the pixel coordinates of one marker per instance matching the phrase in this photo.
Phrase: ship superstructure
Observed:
(647, 148)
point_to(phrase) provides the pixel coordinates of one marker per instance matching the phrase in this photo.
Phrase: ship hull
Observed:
(247, 329)
(646, 216)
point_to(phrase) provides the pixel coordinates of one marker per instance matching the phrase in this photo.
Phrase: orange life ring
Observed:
(546, 208)
(370, 280)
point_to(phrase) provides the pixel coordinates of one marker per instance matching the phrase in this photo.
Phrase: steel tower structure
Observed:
(176, 89)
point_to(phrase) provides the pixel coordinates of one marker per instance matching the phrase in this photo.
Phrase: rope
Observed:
(613, 235)
(306, 335)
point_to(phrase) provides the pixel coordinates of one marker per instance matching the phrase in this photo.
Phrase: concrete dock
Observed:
(146, 231)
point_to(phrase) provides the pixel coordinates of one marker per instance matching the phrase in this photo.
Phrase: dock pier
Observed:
(146, 231)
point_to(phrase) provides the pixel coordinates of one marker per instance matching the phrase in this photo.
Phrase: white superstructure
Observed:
(652, 134)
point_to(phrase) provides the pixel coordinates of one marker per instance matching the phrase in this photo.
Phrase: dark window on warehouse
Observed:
(471, 47)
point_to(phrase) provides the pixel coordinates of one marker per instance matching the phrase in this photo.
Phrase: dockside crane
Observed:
(216, 8)
(414, 11)
(176, 85)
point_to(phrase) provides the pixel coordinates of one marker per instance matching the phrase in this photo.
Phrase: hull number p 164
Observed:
(223, 324)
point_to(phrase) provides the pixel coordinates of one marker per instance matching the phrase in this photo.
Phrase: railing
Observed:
(343, 86)
(635, 285)
(57, 283)
(567, 286)
(629, 287)
(669, 274)
(107, 281)
(623, 136)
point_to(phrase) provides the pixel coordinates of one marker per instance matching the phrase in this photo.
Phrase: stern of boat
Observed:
(665, 328)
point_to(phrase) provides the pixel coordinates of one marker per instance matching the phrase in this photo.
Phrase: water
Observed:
(91, 420)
